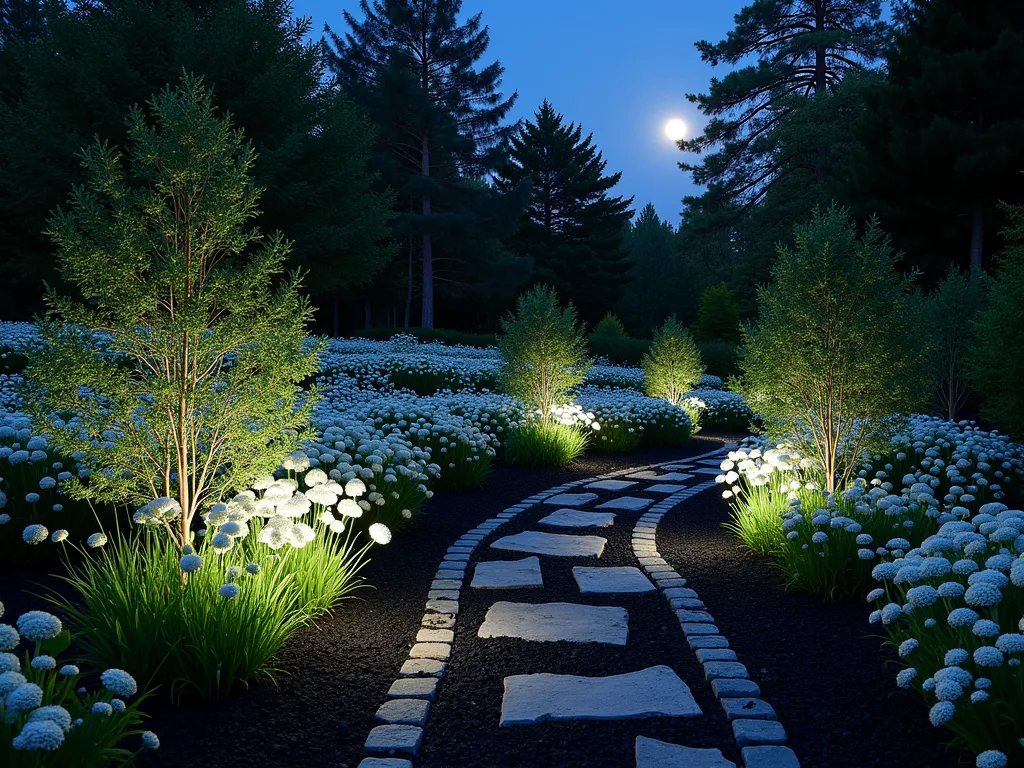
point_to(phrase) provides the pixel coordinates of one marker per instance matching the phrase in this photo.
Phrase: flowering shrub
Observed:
(47, 718)
(615, 376)
(628, 419)
(954, 608)
(715, 409)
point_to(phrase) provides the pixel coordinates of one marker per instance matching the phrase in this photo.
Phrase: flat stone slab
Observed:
(559, 544)
(571, 499)
(614, 580)
(612, 485)
(716, 669)
(403, 739)
(735, 688)
(754, 709)
(651, 753)
(708, 471)
(435, 636)
(438, 621)
(754, 732)
(430, 650)
(408, 711)
(418, 667)
(549, 622)
(646, 474)
(707, 641)
(577, 518)
(630, 503)
(770, 757)
(664, 488)
(652, 692)
(384, 762)
(414, 688)
(508, 574)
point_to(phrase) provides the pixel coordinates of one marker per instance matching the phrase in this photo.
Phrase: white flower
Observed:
(59, 535)
(36, 626)
(349, 508)
(229, 591)
(24, 698)
(69, 670)
(44, 735)
(9, 662)
(190, 563)
(355, 488)
(97, 540)
(942, 713)
(119, 682)
(150, 740)
(380, 533)
(35, 534)
(102, 708)
(45, 663)
(991, 758)
(221, 543)
(315, 477)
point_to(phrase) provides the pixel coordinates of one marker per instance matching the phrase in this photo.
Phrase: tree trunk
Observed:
(427, 321)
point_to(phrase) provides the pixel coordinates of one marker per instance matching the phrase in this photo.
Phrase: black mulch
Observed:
(820, 665)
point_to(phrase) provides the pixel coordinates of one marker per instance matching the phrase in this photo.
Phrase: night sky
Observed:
(621, 68)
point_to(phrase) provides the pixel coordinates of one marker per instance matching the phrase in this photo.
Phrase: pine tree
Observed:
(658, 278)
(943, 142)
(413, 66)
(573, 228)
(21, 19)
(718, 317)
(97, 59)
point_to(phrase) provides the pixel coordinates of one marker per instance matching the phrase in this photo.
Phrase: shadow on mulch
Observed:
(820, 665)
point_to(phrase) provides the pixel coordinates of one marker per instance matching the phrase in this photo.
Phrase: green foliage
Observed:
(837, 348)
(722, 360)
(543, 351)
(609, 327)
(756, 518)
(672, 366)
(997, 365)
(624, 351)
(78, 80)
(135, 610)
(718, 317)
(659, 280)
(431, 334)
(536, 443)
(180, 289)
(573, 227)
(951, 314)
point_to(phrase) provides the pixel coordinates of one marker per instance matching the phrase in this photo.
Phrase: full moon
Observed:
(675, 129)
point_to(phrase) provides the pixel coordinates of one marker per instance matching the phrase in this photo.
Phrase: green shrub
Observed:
(997, 365)
(672, 366)
(624, 351)
(718, 315)
(951, 314)
(430, 334)
(720, 359)
(837, 347)
(543, 352)
(83, 738)
(620, 436)
(537, 444)
(609, 327)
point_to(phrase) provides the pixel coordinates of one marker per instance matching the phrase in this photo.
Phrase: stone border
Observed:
(755, 726)
(399, 738)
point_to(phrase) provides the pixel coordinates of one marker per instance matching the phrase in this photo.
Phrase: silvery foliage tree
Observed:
(952, 312)
(672, 366)
(543, 350)
(838, 348)
(176, 374)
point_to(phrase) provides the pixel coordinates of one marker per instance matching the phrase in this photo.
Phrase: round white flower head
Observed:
(54, 714)
(229, 591)
(221, 543)
(190, 563)
(315, 477)
(956, 656)
(380, 533)
(118, 706)
(991, 758)
(962, 617)
(35, 534)
(68, 670)
(43, 735)
(252, 568)
(32, 498)
(355, 488)
(906, 677)
(97, 540)
(24, 698)
(44, 663)
(59, 535)
(9, 681)
(9, 637)
(988, 656)
(1010, 643)
(150, 740)
(102, 708)
(907, 647)
(35, 626)
(942, 713)
(9, 662)
(349, 508)
(119, 682)
(300, 535)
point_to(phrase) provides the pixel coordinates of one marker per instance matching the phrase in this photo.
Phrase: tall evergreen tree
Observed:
(943, 136)
(573, 227)
(413, 66)
(657, 278)
(96, 60)
(21, 19)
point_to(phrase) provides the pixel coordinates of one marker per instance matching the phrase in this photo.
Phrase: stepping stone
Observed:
(438, 621)
(749, 708)
(697, 617)
(647, 474)
(631, 503)
(716, 463)
(770, 757)
(384, 762)
(652, 692)
(414, 688)
(508, 574)
(715, 654)
(708, 471)
(408, 711)
(716, 669)
(404, 739)
(577, 518)
(664, 488)
(571, 499)
(424, 667)
(651, 753)
(674, 477)
(707, 641)
(443, 606)
(552, 544)
(611, 485)
(735, 688)
(446, 584)
(439, 651)
(443, 594)
(699, 629)
(548, 622)
(435, 636)
(752, 732)
(614, 580)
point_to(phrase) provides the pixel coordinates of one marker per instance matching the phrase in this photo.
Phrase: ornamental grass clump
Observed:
(954, 609)
(672, 366)
(538, 443)
(177, 374)
(837, 347)
(48, 719)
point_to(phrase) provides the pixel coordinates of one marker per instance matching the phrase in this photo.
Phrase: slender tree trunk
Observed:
(427, 320)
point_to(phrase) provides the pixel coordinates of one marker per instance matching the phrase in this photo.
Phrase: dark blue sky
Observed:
(621, 68)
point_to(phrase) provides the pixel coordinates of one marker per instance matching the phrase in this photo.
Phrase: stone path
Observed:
(625, 507)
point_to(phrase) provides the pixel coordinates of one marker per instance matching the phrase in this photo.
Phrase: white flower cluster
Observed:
(718, 409)
(779, 469)
(615, 376)
(625, 410)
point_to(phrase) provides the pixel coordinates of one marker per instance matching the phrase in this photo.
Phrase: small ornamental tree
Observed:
(544, 352)
(718, 316)
(837, 349)
(177, 372)
(951, 314)
(672, 366)
(609, 327)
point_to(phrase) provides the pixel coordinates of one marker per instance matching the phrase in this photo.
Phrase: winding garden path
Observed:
(555, 631)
